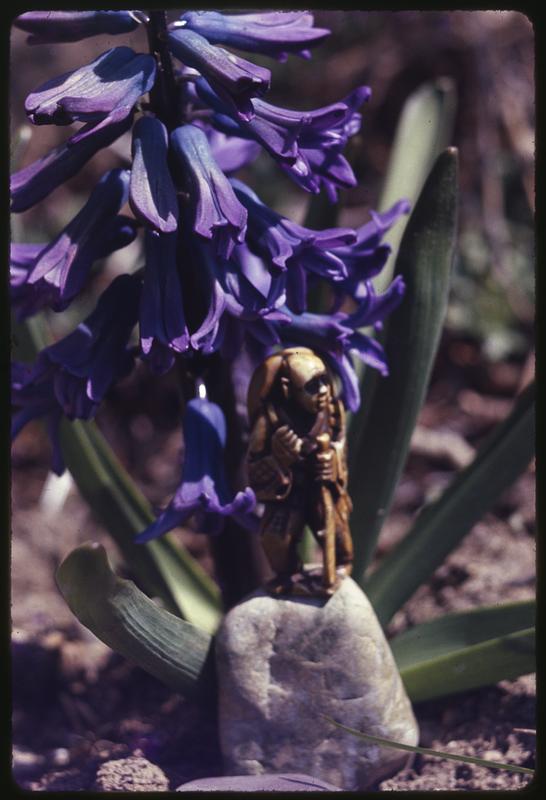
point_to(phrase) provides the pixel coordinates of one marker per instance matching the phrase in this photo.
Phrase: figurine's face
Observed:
(310, 384)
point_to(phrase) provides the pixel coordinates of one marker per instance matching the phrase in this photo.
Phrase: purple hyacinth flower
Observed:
(283, 132)
(320, 169)
(241, 287)
(307, 144)
(218, 213)
(152, 194)
(373, 308)
(117, 233)
(72, 26)
(61, 270)
(251, 291)
(103, 91)
(233, 78)
(273, 33)
(22, 259)
(366, 257)
(163, 331)
(39, 179)
(230, 152)
(87, 362)
(203, 493)
(36, 399)
(290, 247)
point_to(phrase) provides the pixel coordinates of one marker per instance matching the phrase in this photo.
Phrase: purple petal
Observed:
(95, 354)
(27, 298)
(203, 491)
(206, 337)
(33, 183)
(163, 331)
(290, 246)
(62, 268)
(107, 87)
(218, 213)
(350, 388)
(233, 78)
(374, 308)
(273, 33)
(72, 26)
(230, 152)
(152, 194)
(369, 351)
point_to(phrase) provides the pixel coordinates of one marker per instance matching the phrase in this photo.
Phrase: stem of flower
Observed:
(165, 92)
(239, 559)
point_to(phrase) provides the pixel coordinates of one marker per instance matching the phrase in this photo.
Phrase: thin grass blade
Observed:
(125, 619)
(380, 436)
(427, 751)
(442, 525)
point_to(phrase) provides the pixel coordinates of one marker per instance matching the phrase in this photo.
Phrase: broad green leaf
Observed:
(441, 525)
(427, 751)
(380, 435)
(466, 650)
(164, 568)
(504, 658)
(423, 132)
(125, 619)
(439, 637)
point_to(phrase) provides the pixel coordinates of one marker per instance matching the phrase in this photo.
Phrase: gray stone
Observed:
(289, 782)
(285, 662)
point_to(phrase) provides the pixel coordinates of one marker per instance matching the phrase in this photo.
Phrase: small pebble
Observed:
(61, 757)
(131, 774)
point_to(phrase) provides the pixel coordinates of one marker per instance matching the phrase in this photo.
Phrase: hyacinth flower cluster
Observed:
(224, 275)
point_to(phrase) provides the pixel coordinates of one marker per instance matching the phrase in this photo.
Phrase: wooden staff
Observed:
(328, 533)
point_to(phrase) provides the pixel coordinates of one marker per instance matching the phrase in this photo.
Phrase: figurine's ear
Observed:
(285, 387)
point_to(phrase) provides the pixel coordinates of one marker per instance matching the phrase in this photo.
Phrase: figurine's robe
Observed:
(289, 489)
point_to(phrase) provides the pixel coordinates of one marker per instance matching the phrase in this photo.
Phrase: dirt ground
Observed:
(85, 719)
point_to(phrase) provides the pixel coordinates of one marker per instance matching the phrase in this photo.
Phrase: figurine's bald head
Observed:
(306, 379)
(300, 374)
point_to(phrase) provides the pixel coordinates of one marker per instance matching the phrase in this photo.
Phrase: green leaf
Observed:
(380, 435)
(466, 650)
(452, 632)
(442, 525)
(504, 658)
(423, 132)
(427, 751)
(164, 568)
(125, 619)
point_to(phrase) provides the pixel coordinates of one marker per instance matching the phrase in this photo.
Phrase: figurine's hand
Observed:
(286, 445)
(324, 466)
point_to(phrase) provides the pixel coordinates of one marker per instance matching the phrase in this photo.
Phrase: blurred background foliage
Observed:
(489, 58)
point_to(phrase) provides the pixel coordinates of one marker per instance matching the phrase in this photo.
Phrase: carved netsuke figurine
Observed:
(297, 467)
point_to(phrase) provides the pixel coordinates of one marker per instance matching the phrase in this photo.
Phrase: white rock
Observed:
(283, 663)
